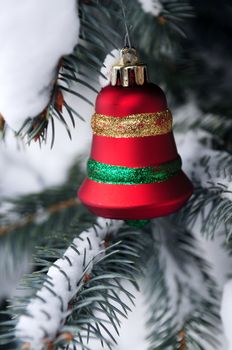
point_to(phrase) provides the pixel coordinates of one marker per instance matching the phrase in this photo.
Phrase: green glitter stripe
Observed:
(112, 174)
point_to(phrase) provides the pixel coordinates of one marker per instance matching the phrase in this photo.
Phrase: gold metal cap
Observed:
(128, 64)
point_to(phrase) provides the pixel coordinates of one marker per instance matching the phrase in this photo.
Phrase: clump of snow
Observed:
(111, 59)
(226, 312)
(154, 7)
(34, 35)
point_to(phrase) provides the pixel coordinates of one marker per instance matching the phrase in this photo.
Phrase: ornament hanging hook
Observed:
(127, 41)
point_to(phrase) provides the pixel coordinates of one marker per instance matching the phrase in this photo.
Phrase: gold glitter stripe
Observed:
(134, 125)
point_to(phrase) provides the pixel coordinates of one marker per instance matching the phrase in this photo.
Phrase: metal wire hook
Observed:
(127, 41)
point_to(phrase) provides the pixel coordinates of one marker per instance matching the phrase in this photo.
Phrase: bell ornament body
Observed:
(134, 171)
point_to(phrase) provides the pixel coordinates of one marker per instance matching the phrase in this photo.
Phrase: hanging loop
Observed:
(127, 41)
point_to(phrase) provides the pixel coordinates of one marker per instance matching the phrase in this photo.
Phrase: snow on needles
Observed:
(152, 6)
(33, 35)
(46, 313)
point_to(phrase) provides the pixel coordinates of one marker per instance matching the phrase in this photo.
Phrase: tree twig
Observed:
(182, 340)
(53, 209)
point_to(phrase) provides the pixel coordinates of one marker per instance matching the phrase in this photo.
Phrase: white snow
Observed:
(152, 6)
(34, 35)
(111, 59)
(226, 312)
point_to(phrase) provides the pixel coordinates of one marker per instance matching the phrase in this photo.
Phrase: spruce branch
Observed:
(79, 294)
(182, 296)
(31, 218)
(167, 20)
(41, 212)
(182, 340)
(212, 199)
(217, 126)
(212, 207)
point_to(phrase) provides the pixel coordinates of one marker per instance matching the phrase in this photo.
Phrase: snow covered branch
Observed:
(46, 313)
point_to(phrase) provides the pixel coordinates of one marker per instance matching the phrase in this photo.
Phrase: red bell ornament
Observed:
(134, 171)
